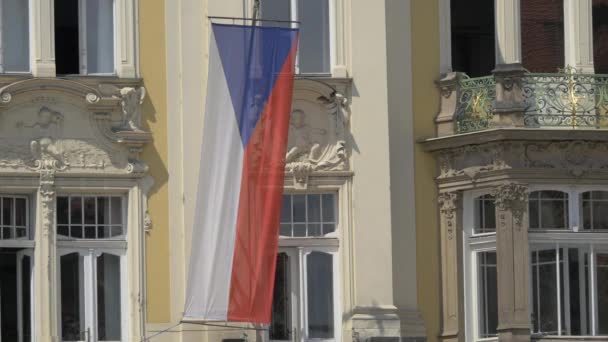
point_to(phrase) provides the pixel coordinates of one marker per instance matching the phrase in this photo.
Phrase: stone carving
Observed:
(47, 123)
(147, 222)
(131, 99)
(46, 155)
(578, 157)
(47, 195)
(448, 203)
(512, 197)
(472, 160)
(317, 138)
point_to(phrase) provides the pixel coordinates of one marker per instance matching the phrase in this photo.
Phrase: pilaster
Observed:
(451, 214)
(509, 104)
(512, 262)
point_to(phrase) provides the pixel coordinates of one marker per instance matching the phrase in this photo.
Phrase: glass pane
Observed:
(63, 230)
(488, 294)
(587, 214)
(76, 232)
(299, 230)
(7, 211)
(299, 208)
(116, 206)
(26, 281)
(314, 208)
(533, 209)
(89, 210)
(104, 232)
(314, 229)
(108, 298)
(21, 232)
(76, 210)
(553, 214)
(329, 228)
(63, 210)
(600, 36)
(100, 36)
(116, 231)
(329, 214)
(89, 232)
(314, 36)
(20, 212)
(276, 10)
(286, 209)
(542, 33)
(319, 267)
(6, 233)
(285, 229)
(602, 293)
(280, 327)
(15, 36)
(473, 47)
(72, 306)
(485, 215)
(8, 303)
(545, 294)
(103, 210)
(600, 215)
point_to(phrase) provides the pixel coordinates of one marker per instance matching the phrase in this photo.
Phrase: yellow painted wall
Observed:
(425, 69)
(152, 69)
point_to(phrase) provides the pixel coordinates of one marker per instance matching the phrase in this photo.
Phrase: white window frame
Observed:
(332, 36)
(573, 237)
(89, 289)
(82, 39)
(297, 249)
(473, 244)
(124, 223)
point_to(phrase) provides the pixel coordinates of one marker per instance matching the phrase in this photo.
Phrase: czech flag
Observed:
(235, 232)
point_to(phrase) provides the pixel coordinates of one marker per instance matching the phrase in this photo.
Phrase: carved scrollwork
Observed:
(512, 197)
(448, 204)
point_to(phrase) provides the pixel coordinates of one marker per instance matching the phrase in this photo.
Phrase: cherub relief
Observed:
(303, 142)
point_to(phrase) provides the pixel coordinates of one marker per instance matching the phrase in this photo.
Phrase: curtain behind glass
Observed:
(108, 298)
(313, 57)
(15, 36)
(100, 36)
(542, 35)
(320, 295)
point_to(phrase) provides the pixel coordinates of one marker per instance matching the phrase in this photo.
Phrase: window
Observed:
(84, 37)
(314, 16)
(542, 34)
(15, 56)
(14, 218)
(473, 37)
(90, 217)
(600, 36)
(569, 268)
(16, 294)
(480, 233)
(548, 210)
(308, 215)
(92, 279)
(306, 287)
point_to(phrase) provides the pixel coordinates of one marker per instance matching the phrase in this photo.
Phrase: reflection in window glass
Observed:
(320, 295)
(108, 298)
(488, 294)
(308, 215)
(548, 210)
(280, 327)
(15, 36)
(600, 36)
(485, 215)
(313, 55)
(595, 210)
(542, 34)
(100, 36)
(72, 323)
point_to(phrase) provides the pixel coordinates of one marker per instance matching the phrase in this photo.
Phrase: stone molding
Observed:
(512, 197)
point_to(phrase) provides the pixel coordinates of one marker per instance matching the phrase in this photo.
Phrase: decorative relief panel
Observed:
(65, 126)
(317, 135)
(576, 158)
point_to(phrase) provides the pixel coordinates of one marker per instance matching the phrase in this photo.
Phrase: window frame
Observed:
(572, 237)
(473, 244)
(332, 37)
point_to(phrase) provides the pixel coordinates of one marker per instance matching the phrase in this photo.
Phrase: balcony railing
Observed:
(568, 99)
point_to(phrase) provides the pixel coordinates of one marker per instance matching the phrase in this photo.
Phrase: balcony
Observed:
(514, 98)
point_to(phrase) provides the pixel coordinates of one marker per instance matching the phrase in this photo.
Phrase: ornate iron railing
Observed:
(566, 99)
(475, 103)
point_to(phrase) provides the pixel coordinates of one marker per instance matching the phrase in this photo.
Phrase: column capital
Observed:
(512, 197)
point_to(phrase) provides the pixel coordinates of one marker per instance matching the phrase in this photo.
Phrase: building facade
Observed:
(519, 143)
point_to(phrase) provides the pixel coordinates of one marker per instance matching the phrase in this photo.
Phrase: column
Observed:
(508, 31)
(450, 218)
(45, 289)
(42, 36)
(578, 31)
(513, 258)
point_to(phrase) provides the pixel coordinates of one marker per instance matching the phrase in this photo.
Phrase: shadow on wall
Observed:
(151, 154)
